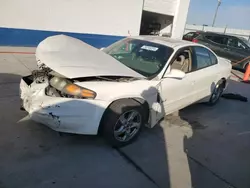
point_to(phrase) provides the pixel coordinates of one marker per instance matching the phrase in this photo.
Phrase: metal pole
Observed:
(225, 30)
(215, 15)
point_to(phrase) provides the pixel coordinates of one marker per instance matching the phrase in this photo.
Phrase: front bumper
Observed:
(80, 116)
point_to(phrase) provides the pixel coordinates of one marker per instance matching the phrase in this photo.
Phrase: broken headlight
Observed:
(67, 87)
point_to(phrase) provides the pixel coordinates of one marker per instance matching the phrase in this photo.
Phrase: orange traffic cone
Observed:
(247, 74)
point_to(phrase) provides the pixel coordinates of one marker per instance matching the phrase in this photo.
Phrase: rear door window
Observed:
(217, 39)
(202, 58)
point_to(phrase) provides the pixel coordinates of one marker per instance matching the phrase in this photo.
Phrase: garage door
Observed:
(166, 7)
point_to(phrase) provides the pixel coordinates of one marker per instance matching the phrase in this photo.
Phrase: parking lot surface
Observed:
(200, 146)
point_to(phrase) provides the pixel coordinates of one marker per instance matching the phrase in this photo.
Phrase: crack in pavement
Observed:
(9, 96)
(212, 172)
(5, 83)
(137, 167)
(21, 62)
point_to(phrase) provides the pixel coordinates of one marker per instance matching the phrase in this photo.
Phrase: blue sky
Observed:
(234, 13)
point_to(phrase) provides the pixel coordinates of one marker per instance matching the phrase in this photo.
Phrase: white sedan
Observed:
(116, 91)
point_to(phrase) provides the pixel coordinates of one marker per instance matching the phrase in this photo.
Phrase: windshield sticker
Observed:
(149, 48)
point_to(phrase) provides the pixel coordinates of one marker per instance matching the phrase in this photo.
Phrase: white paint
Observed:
(73, 58)
(111, 17)
(166, 7)
(175, 73)
(180, 18)
(83, 116)
(62, 114)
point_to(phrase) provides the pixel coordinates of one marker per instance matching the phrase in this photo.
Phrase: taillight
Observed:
(195, 40)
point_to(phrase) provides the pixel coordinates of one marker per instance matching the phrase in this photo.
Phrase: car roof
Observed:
(173, 43)
(220, 34)
(198, 31)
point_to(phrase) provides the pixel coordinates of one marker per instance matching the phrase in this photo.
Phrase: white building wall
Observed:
(180, 18)
(111, 17)
(177, 11)
(27, 22)
(167, 7)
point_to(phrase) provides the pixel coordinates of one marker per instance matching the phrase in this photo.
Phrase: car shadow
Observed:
(216, 151)
(36, 156)
(217, 148)
(149, 153)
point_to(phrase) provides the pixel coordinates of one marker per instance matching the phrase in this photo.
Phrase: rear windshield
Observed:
(192, 35)
(146, 58)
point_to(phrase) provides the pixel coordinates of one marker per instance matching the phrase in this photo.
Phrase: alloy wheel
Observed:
(127, 125)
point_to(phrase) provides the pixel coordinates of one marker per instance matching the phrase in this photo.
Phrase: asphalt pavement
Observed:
(200, 146)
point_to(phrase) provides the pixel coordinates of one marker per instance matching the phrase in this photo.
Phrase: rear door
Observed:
(178, 93)
(205, 70)
(218, 44)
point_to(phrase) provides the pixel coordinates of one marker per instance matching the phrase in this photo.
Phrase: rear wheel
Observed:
(218, 90)
(122, 122)
(245, 67)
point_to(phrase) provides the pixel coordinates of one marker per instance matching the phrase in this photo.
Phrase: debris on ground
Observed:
(246, 82)
(235, 97)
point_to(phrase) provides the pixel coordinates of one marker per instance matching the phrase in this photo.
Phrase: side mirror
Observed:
(175, 73)
(102, 48)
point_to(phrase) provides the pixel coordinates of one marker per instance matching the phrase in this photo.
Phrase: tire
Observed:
(215, 97)
(117, 124)
(245, 67)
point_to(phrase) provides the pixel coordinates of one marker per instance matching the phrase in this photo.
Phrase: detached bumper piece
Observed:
(21, 105)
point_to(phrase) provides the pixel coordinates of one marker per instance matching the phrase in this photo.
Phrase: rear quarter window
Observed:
(213, 58)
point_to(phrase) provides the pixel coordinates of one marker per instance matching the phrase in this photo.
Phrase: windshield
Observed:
(144, 57)
(246, 41)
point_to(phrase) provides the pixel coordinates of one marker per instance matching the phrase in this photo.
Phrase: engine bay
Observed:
(56, 83)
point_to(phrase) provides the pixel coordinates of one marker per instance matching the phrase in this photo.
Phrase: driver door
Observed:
(178, 93)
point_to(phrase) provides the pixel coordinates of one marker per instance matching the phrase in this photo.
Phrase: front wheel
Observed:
(122, 122)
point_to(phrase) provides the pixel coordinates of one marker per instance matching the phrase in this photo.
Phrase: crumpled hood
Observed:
(73, 58)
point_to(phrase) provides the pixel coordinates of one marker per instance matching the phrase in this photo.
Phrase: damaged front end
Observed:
(54, 85)
(60, 103)
(32, 84)
(55, 95)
